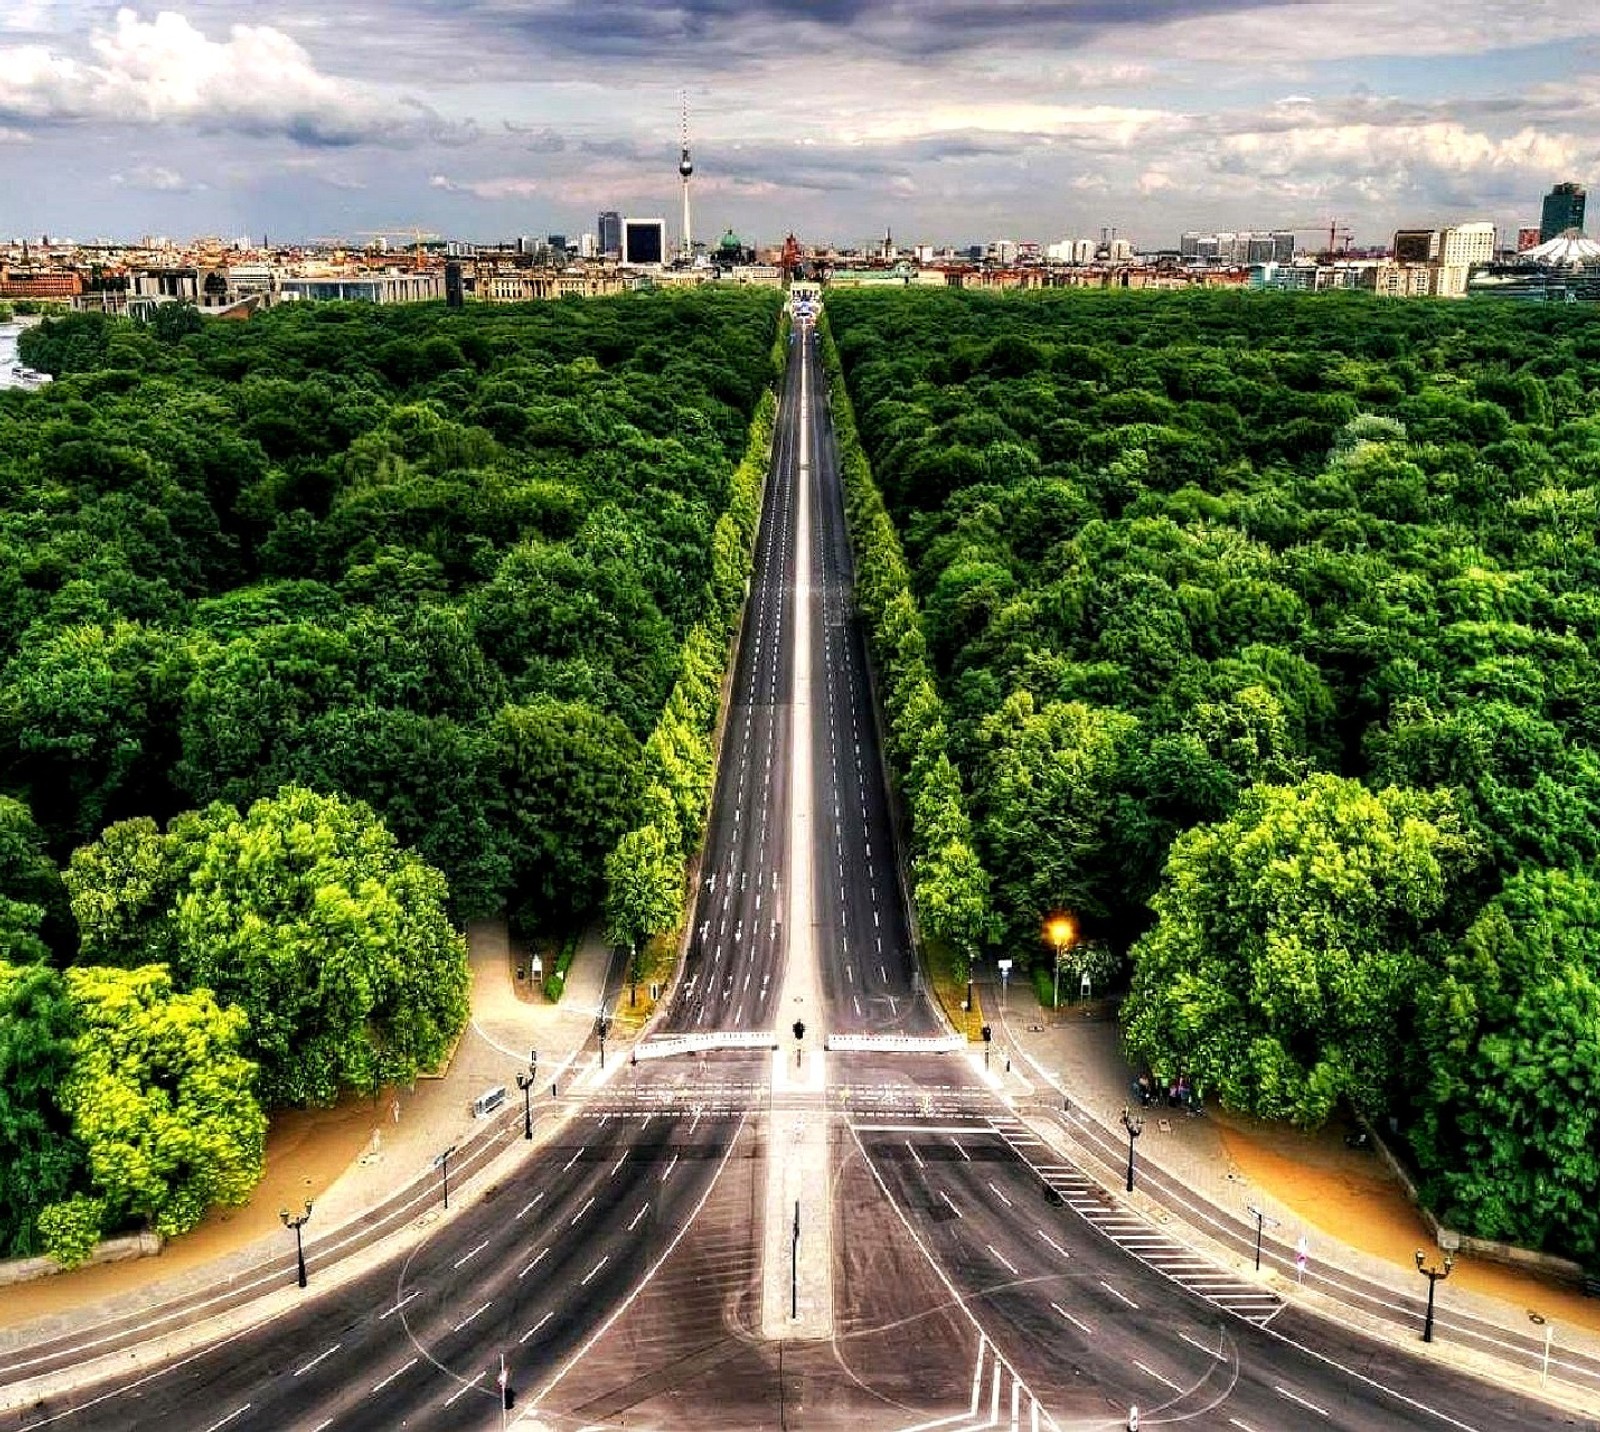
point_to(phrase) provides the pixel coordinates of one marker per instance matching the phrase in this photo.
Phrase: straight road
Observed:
(869, 968)
(733, 962)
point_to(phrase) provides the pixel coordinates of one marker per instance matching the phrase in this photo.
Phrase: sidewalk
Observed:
(1352, 1214)
(347, 1159)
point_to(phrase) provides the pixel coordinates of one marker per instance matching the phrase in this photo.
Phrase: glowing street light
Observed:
(1061, 931)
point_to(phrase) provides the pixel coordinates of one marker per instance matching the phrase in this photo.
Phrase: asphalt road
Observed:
(734, 957)
(528, 1270)
(869, 969)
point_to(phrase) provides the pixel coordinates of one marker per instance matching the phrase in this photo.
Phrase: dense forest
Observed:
(319, 635)
(1265, 635)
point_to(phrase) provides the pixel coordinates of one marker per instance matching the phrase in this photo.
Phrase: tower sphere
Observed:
(686, 165)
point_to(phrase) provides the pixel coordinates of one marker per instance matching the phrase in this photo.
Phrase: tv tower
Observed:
(685, 169)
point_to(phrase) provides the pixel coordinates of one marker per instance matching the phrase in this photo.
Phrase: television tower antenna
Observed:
(685, 169)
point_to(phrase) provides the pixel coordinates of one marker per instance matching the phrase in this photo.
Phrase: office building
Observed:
(644, 242)
(1466, 244)
(609, 227)
(1563, 210)
(1415, 246)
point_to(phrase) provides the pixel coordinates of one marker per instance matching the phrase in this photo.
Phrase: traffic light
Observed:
(799, 1029)
(988, 1034)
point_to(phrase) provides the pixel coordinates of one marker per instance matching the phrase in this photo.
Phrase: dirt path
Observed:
(1348, 1196)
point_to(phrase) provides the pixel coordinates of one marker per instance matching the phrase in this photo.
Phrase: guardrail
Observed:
(897, 1043)
(666, 1046)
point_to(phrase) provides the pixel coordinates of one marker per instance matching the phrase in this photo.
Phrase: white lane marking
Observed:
(569, 1163)
(644, 1208)
(1296, 1397)
(237, 1412)
(618, 1164)
(1121, 1297)
(946, 1197)
(1081, 1326)
(668, 1174)
(1052, 1242)
(1003, 1199)
(1242, 1426)
(323, 1425)
(469, 1317)
(396, 1308)
(463, 1390)
(1001, 1258)
(597, 1267)
(535, 1328)
(579, 1214)
(468, 1257)
(1164, 1381)
(379, 1386)
(1208, 1351)
(964, 1154)
(318, 1358)
(538, 1258)
(529, 1204)
(912, 1151)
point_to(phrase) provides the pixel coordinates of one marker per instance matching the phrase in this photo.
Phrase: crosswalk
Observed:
(1240, 1296)
(1000, 1398)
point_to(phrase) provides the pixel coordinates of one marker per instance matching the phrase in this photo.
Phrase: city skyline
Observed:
(947, 120)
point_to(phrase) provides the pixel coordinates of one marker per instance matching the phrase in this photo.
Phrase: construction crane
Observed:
(420, 236)
(1333, 229)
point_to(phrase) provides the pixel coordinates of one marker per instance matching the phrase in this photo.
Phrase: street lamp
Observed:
(1260, 1218)
(1540, 1321)
(1434, 1276)
(442, 1163)
(633, 975)
(1134, 1124)
(1060, 931)
(299, 1220)
(602, 1027)
(525, 1083)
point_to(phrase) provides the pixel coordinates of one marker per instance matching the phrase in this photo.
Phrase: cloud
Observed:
(157, 178)
(166, 71)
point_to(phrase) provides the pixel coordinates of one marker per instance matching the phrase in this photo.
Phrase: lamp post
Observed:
(1134, 1124)
(525, 1083)
(298, 1221)
(1260, 1218)
(602, 1027)
(442, 1163)
(1060, 931)
(1540, 1321)
(633, 975)
(1434, 1276)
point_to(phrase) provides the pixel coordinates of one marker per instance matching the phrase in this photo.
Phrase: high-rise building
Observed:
(1563, 210)
(609, 226)
(644, 242)
(1527, 238)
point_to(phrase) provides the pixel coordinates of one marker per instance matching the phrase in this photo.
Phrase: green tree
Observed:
(1290, 941)
(1510, 1038)
(161, 1098)
(39, 1159)
(644, 889)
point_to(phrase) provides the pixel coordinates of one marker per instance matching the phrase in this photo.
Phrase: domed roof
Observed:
(1567, 250)
(731, 240)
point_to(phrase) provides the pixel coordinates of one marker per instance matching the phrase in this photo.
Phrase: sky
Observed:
(945, 121)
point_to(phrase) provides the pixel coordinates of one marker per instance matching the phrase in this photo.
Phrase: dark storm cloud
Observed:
(722, 33)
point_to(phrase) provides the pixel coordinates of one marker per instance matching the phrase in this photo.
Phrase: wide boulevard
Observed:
(751, 1227)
